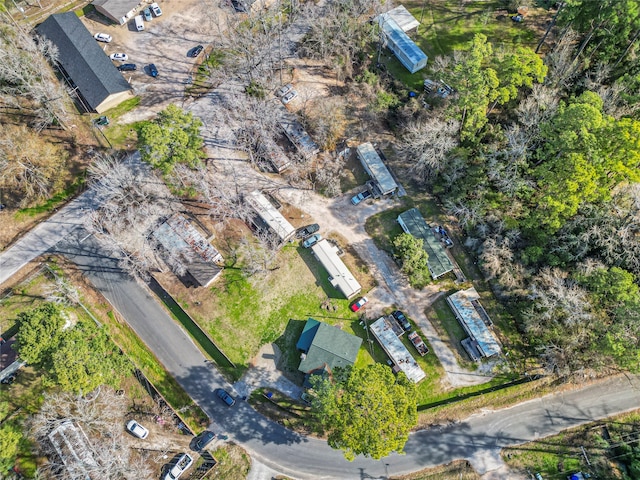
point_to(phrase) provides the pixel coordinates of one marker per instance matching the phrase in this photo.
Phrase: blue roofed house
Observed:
(325, 347)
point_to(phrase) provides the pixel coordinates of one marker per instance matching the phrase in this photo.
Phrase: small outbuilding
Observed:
(339, 275)
(472, 316)
(269, 218)
(88, 70)
(438, 262)
(119, 11)
(402, 17)
(325, 347)
(382, 179)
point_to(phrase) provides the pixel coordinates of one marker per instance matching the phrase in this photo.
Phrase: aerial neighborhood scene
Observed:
(320, 239)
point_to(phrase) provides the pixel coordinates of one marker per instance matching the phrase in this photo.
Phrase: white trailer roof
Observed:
(339, 275)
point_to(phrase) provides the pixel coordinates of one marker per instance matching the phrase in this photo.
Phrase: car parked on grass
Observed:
(283, 90)
(358, 304)
(103, 37)
(195, 51)
(289, 96)
(225, 397)
(183, 463)
(127, 67)
(147, 14)
(360, 197)
(312, 240)
(304, 232)
(155, 8)
(119, 57)
(153, 71)
(137, 430)
(204, 439)
(402, 320)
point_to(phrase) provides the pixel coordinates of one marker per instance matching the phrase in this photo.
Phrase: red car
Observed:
(359, 304)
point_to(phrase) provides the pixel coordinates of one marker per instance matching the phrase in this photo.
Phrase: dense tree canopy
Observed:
(413, 256)
(77, 357)
(174, 137)
(366, 411)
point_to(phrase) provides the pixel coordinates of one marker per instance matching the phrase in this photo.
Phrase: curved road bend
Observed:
(478, 439)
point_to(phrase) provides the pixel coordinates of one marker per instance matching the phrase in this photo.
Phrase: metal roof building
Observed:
(339, 275)
(376, 168)
(413, 223)
(297, 135)
(402, 17)
(395, 349)
(405, 49)
(182, 240)
(97, 82)
(120, 11)
(475, 321)
(270, 215)
(326, 347)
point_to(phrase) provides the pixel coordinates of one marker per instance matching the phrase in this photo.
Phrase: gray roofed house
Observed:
(326, 347)
(84, 64)
(376, 169)
(466, 306)
(269, 217)
(439, 262)
(117, 10)
(180, 239)
(402, 17)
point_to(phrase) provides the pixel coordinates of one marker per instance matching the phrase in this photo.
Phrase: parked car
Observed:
(147, 14)
(137, 430)
(312, 240)
(358, 304)
(155, 8)
(119, 57)
(289, 96)
(360, 197)
(304, 232)
(195, 51)
(402, 320)
(153, 71)
(102, 120)
(225, 397)
(204, 439)
(183, 463)
(127, 67)
(283, 90)
(103, 37)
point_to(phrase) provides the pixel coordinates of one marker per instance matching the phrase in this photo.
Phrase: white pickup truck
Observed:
(184, 462)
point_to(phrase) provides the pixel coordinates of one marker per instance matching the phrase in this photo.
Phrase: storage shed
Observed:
(120, 11)
(438, 262)
(339, 275)
(405, 49)
(377, 170)
(94, 78)
(402, 17)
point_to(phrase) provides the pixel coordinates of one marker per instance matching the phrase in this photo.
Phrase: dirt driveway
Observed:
(165, 42)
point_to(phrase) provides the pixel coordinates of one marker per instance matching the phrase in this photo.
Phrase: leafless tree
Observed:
(258, 256)
(327, 121)
(536, 108)
(497, 260)
(100, 415)
(562, 63)
(467, 215)
(426, 144)
(27, 83)
(63, 292)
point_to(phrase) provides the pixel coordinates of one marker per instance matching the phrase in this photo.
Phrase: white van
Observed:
(139, 23)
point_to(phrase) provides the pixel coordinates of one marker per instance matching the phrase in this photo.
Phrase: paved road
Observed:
(478, 439)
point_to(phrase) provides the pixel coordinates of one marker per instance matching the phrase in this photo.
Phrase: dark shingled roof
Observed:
(88, 67)
(326, 345)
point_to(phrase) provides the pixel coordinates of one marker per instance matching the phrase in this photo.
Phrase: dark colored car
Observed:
(153, 71)
(238, 6)
(195, 51)
(127, 67)
(225, 397)
(402, 320)
(204, 439)
(102, 120)
(308, 230)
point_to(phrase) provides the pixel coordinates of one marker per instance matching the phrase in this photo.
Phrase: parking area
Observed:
(165, 42)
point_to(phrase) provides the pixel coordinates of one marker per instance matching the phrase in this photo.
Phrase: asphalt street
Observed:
(479, 439)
